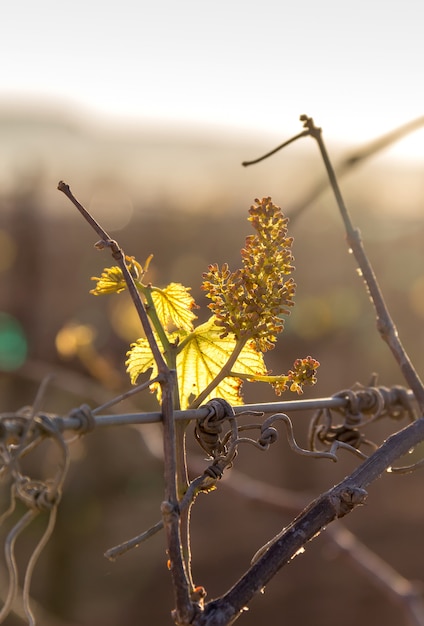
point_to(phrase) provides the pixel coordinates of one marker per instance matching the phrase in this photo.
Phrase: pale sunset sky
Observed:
(231, 65)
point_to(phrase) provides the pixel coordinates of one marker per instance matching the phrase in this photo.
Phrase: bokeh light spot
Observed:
(72, 337)
(13, 343)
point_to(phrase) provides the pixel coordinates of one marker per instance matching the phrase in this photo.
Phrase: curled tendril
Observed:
(322, 432)
(28, 429)
(269, 434)
(12, 568)
(208, 429)
(364, 405)
(223, 447)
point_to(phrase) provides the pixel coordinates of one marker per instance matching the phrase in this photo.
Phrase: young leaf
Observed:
(112, 279)
(140, 359)
(201, 356)
(174, 305)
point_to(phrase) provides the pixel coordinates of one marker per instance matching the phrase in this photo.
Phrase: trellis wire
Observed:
(23, 430)
(195, 414)
(73, 423)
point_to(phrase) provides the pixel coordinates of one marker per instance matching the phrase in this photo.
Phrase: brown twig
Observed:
(304, 133)
(171, 511)
(380, 573)
(385, 324)
(407, 594)
(170, 507)
(350, 161)
(334, 504)
(118, 255)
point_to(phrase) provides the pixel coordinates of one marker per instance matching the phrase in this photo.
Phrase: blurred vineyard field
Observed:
(183, 196)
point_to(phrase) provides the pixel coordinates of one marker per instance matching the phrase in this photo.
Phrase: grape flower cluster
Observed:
(250, 302)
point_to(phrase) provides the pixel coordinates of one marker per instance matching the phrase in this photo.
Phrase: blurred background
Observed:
(147, 111)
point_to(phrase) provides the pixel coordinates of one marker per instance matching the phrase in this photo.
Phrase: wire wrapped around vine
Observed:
(362, 407)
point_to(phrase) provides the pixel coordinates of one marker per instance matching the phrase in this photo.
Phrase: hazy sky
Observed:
(356, 67)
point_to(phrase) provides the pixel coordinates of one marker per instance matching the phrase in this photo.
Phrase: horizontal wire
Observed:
(121, 419)
(71, 423)
(127, 419)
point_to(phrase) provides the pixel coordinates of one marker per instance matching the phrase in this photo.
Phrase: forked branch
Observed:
(385, 324)
(336, 503)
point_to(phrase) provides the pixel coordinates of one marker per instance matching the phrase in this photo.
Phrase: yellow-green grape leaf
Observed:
(202, 356)
(174, 305)
(112, 280)
(204, 353)
(140, 359)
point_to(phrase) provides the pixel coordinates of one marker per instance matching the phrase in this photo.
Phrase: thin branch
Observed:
(379, 572)
(273, 496)
(406, 593)
(172, 461)
(171, 511)
(352, 160)
(283, 145)
(337, 502)
(385, 324)
(113, 553)
(128, 394)
(118, 255)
